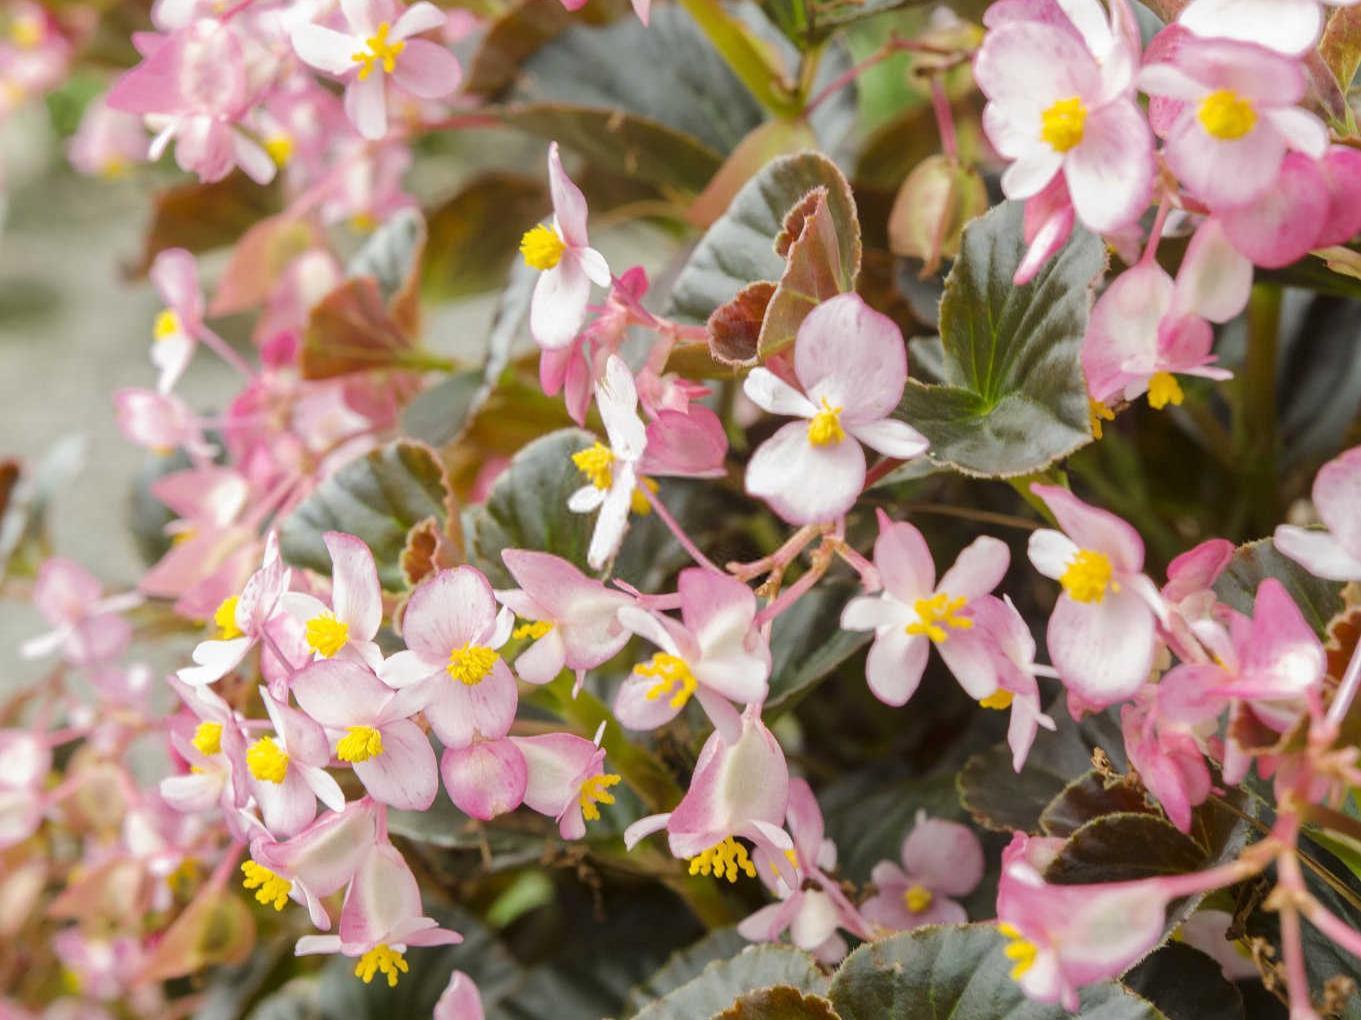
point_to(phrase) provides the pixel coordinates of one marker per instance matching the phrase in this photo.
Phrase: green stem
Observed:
(1256, 410)
(1049, 476)
(749, 60)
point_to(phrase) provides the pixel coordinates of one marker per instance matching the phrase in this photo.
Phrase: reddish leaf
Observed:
(735, 328)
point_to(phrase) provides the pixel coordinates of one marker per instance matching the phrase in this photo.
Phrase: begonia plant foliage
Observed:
(884, 544)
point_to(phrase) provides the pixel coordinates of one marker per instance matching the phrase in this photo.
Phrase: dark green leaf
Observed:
(1319, 381)
(201, 217)
(958, 972)
(1014, 399)
(868, 819)
(1186, 984)
(527, 507)
(779, 1003)
(511, 842)
(1125, 848)
(684, 966)
(723, 981)
(1091, 796)
(1317, 599)
(740, 247)
(474, 236)
(808, 644)
(439, 414)
(391, 253)
(379, 498)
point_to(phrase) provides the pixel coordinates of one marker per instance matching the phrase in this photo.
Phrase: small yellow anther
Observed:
(360, 743)
(673, 677)
(379, 51)
(937, 610)
(470, 664)
(596, 464)
(533, 629)
(1163, 389)
(918, 898)
(326, 635)
(1063, 124)
(225, 619)
(542, 247)
(381, 959)
(269, 887)
(1088, 576)
(824, 428)
(167, 325)
(267, 761)
(723, 860)
(1226, 115)
(595, 790)
(1020, 950)
(999, 699)
(207, 738)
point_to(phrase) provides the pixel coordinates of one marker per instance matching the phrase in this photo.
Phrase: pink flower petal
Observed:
(427, 70)
(1093, 528)
(404, 774)
(1280, 227)
(558, 307)
(485, 779)
(450, 610)
(895, 665)
(569, 204)
(1110, 174)
(355, 594)
(1103, 650)
(804, 483)
(853, 357)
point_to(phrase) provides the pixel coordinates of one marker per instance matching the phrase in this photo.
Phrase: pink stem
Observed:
(1155, 232)
(1346, 691)
(793, 593)
(677, 530)
(869, 573)
(945, 118)
(224, 351)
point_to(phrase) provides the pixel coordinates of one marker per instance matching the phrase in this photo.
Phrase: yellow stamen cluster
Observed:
(379, 51)
(326, 635)
(267, 761)
(542, 247)
(225, 619)
(269, 887)
(1097, 412)
(1088, 576)
(937, 610)
(167, 325)
(280, 149)
(381, 959)
(1063, 124)
(673, 677)
(999, 699)
(207, 738)
(723, 860)
(360, 744)
(533, 629)
(1163, 389)
(917, 898)
(27, 31)
(595, 790)
(596, 463)
(1020, 950)
(1226, 115)
(470, 664)
(824, 429)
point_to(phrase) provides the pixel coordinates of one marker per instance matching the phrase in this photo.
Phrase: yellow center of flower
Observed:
(638, 501)
(208, 738)
(470, 664)
(937, 610)
(723, 860)
(26, 31)
(167, 325)
(225, 619)
(595, 464)
(360, 744)
(280, 149)
(917, 898)
(532, 629)
(1088, 576)
(326, 635)
(542, 247)
(182, 879)
(381, 959)
(1020, 950)
(595, 790)
(1097, 412)
(1163, 389)
(379, 51)
(269, 887)
(999, 699)
(267, 761)
(1063, 123)
(673, 677)
(825, 427)
(1226, 115)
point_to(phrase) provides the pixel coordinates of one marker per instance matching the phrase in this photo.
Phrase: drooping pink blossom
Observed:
(850, 363)
(714, 653)
(460, 999)
(379, 45)
(487, 777)
(1334, 553)
(1013, 657)
(942, 861)
(567, 780)
(87, 628)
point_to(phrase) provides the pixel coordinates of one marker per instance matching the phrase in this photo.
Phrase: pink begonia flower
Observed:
(373, 732)
(35, 55)
(739, 788)
(1335, 553)
(1232, 118)
(1192, 605)
(460, 999)
(452, 630)
(174, 274)
(86, 626)
(318, 861)
(347, 626)
(567, 263)
(813, 907)
(240, 620)
(575, 369)
(213, 750)
(28, 759)
(161, 422)
(1269, 674)
(941, 863)
(102, 967)
(1207, 930)
(288, 770)
(1288, 26)
(1013, 657)
(714, 653)
(689, 444)
(913, 613)
(380, 919)
(1168, 753)
(1060, 102)
(571, 618)
(1047, 225)
(379, 45)
(611, 471)
(1063, 937)
(486, 778)
(107, 142)
(567, 779)
(1102, 633)
(1146, 328)
(193, 87)
(851, 365)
